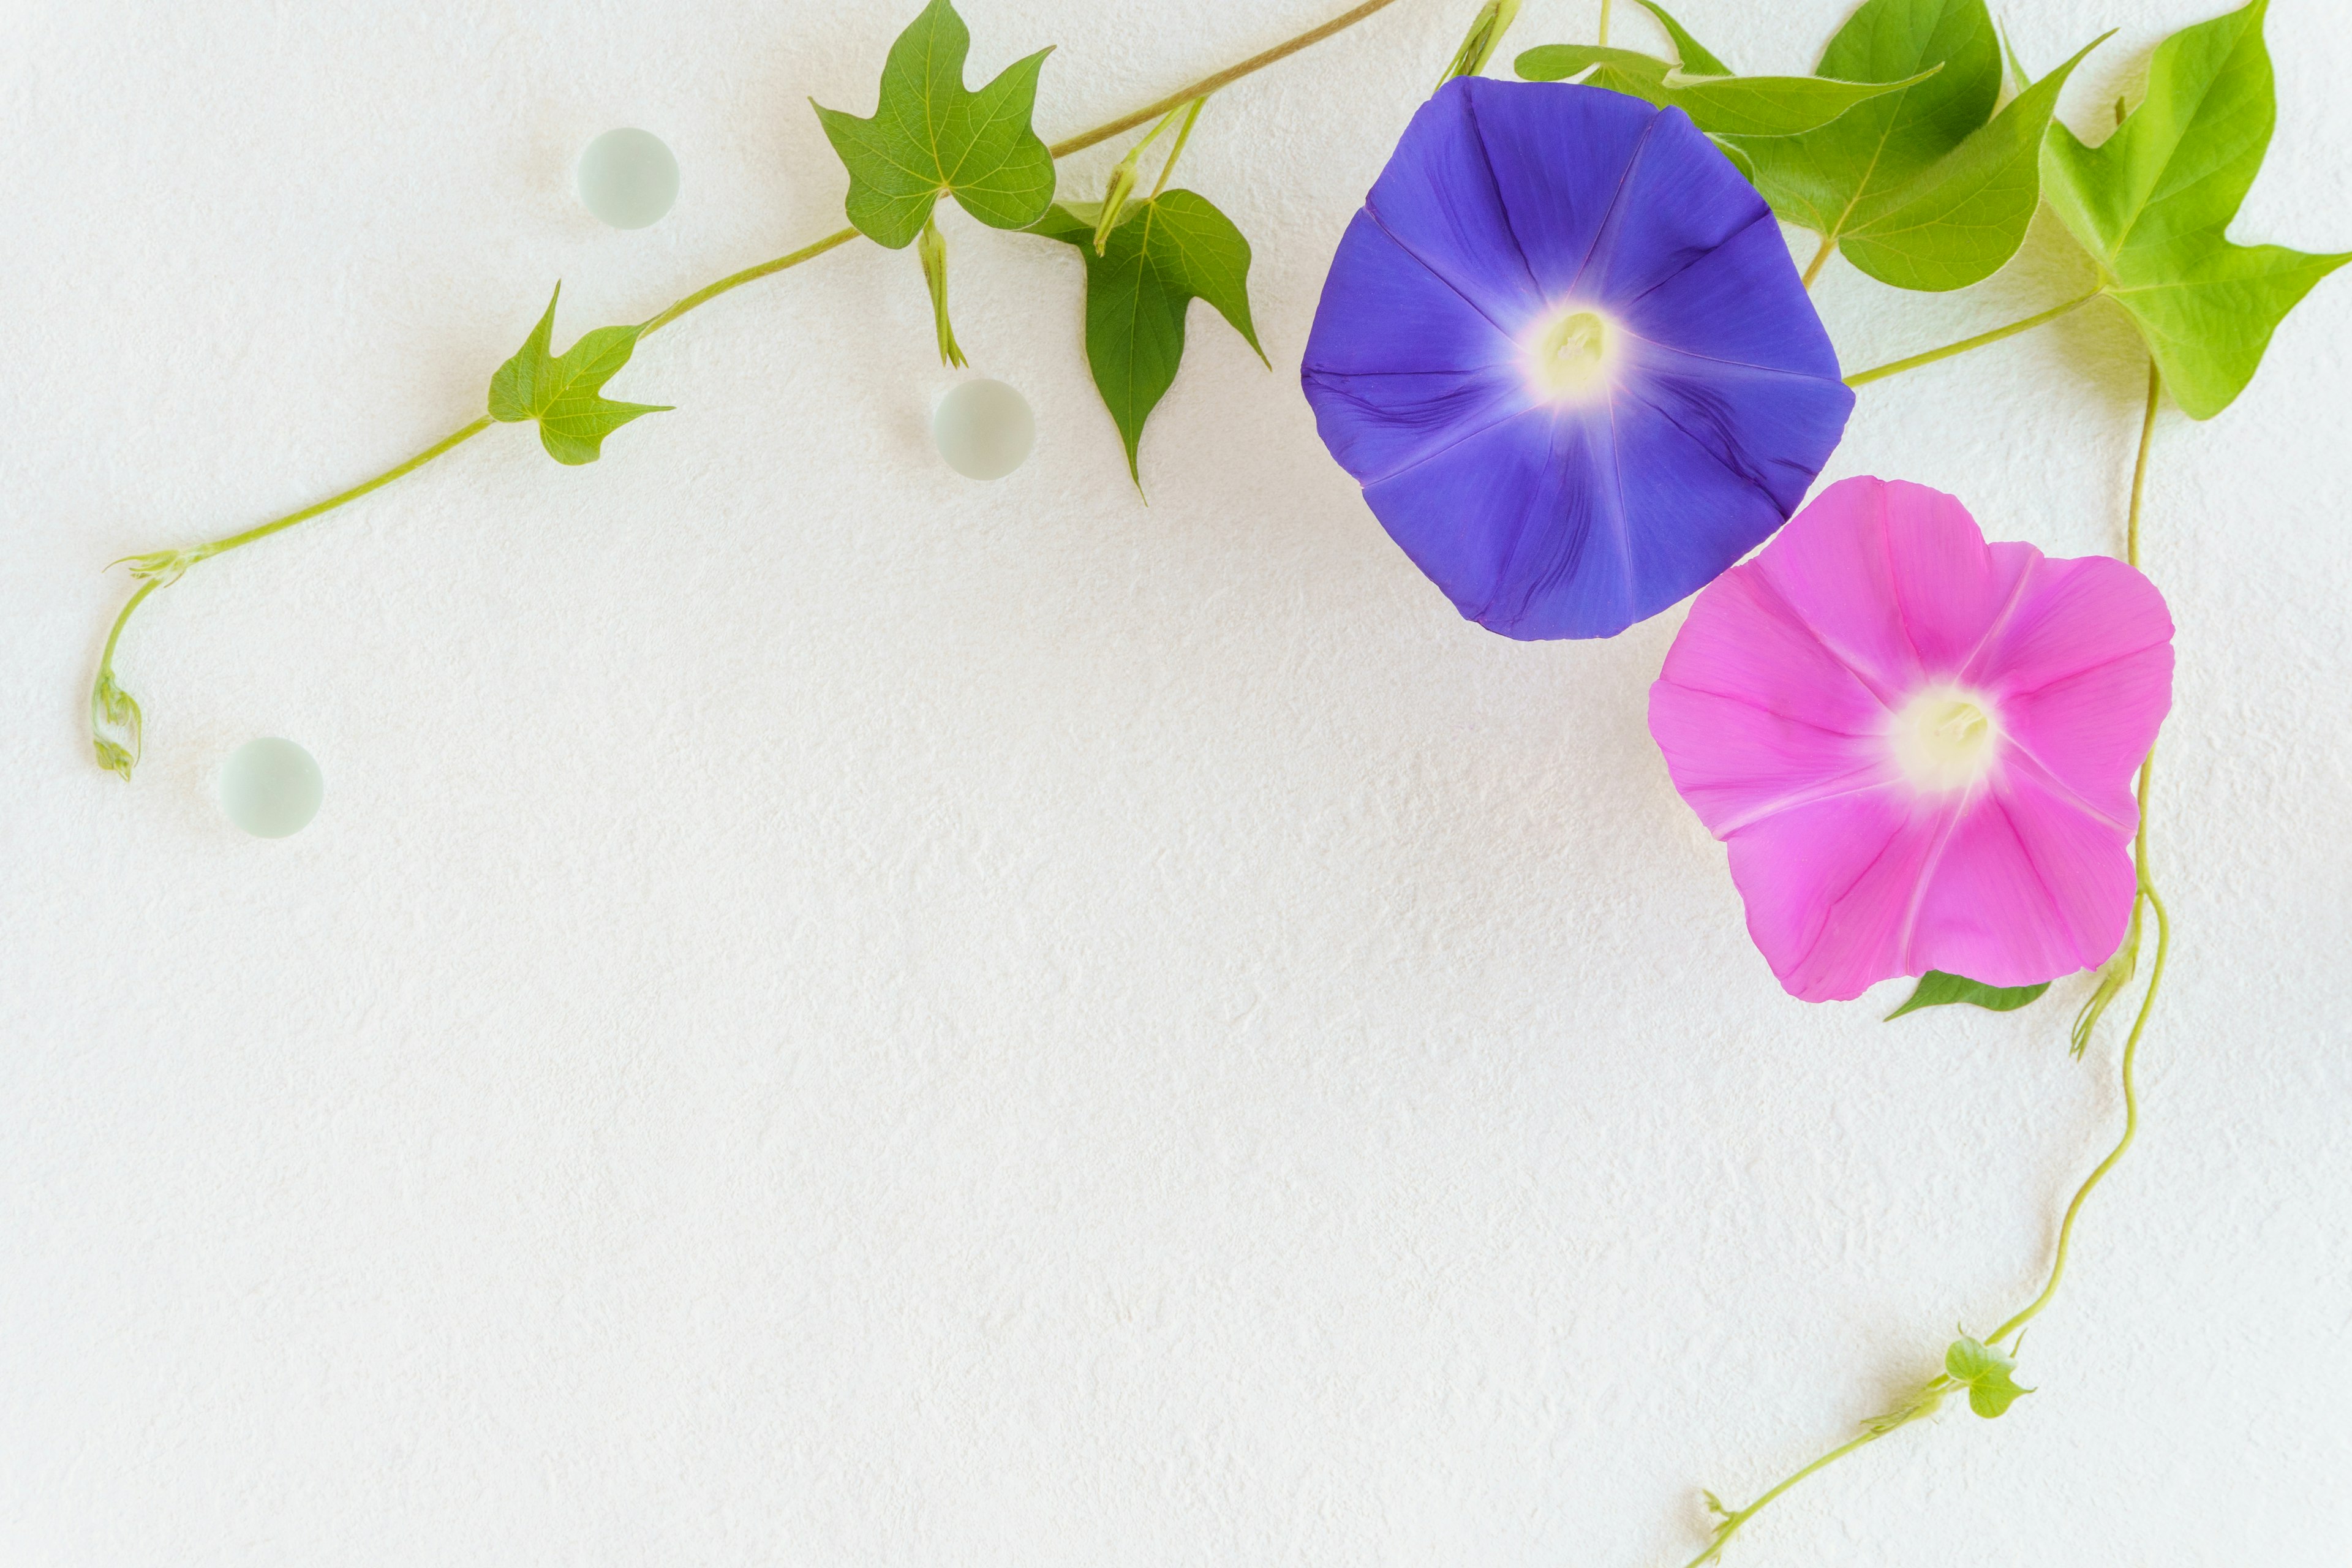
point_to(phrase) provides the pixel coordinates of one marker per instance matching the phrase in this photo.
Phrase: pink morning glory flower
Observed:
(1918, 747)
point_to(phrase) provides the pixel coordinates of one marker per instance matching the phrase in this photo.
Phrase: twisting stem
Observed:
(2145, 890)
(1604, 40)
(1932, 1395)
(2131, 1088)
(108, 705)
(1821, 259)
(161, 568)
(1924, 1406)
(1876, 373)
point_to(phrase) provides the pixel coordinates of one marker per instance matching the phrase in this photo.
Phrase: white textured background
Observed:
(835, 1015)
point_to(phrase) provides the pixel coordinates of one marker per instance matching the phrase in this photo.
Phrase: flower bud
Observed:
(1486, 30)
(1114, 202)
(932, 247)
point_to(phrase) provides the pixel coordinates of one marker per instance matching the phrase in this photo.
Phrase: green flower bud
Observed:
(933, 248)
(1486, 30)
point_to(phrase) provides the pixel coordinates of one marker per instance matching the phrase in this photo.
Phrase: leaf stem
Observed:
(161, 568)
(1821, 259)
(2147, 890)
(2131, 1088)
(2139, 465)
(1211, 83)
(165, 567)
(456, 439)
(703, 296)
(1183, 134)
(1924, 1405)
(1876, 373)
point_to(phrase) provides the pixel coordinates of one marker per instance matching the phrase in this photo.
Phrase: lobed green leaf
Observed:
(1819, 179)
(1689, 53)
(2153, 202)
(1158, 257)
(564, 394)
(930, 136)
(1984, 1371)
(1960, 220)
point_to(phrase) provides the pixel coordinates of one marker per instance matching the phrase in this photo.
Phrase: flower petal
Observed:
(1993, 911)
(1521, 524)
(1433, 371)
(2088, 732)
(1767, 431)
(1951, 589)
(1741, 302)
(2074, 616)
(1835, 576)
(1562, 164)
(1742, 641)
(1438, 200)
(1828, 888)
(1737, 764)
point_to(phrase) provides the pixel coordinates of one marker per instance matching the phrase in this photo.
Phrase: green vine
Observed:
(1983, 1366)
(1898, 152)
(118, 726)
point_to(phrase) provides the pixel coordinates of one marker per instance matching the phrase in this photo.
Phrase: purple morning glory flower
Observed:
(1565, 351)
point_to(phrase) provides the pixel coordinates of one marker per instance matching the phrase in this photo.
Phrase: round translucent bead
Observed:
(628, 178)
(271, 787)
(984, 429)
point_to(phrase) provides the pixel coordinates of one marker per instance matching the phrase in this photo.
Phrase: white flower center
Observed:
(1945, 738)
(1568, 356)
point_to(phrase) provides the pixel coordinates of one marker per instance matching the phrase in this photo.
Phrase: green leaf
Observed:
(1820, 179)
(2019, 77)
(2152, 203)
(1718, 105)
(1937, 989)
(1690, 54)
(1165, 253)
(929, 137)
(1958, 220)
(1985, 1372)
(1557, 62)
(564, 394)
(1771, 105)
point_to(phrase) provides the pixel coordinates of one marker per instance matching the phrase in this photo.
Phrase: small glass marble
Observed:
(984, 429)
(628, 178)
(271, 789)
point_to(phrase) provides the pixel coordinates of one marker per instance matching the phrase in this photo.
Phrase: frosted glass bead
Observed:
(628, 178)
(984, 429)
(271, 787)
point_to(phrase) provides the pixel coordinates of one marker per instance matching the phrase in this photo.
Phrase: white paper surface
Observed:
(836, 1014)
